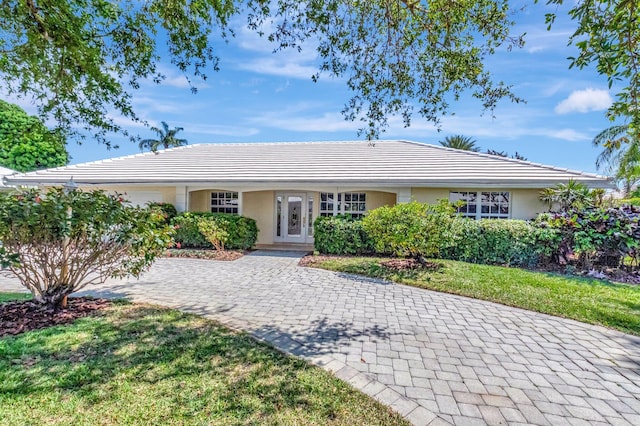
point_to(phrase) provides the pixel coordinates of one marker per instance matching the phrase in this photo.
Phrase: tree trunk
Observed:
(421, 260)
(55, 299)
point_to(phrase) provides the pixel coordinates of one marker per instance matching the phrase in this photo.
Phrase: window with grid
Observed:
(466, 203)
(351, 203)
(483, 204)
(326, 204)
(494, 205)
(224, 202)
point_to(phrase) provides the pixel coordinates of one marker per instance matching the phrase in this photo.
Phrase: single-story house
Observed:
(285, 186)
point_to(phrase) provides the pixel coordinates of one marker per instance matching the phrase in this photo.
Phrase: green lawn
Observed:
(139, 364)
(9, 297)
(588, 300)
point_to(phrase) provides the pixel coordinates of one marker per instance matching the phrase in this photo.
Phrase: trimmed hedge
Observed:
(410, 229)
(341, 235)
(500, 242)
(415, 229)
(242, 231)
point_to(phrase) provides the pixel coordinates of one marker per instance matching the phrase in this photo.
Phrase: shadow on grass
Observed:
(165, 363)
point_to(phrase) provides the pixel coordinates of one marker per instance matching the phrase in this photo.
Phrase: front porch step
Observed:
(285, 247)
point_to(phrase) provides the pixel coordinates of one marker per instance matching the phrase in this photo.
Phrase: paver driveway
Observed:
(435, 358)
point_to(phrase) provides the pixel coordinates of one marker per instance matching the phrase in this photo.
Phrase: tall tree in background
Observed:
(166, 139)
(464, 143)
(81, 60)
(25, 142)
(620, 155)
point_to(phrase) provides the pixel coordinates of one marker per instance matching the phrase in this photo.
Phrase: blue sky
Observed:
(259, 96)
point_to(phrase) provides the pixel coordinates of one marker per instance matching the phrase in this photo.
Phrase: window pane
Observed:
(224, 202)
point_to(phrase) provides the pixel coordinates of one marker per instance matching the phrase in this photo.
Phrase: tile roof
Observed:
(379, 163)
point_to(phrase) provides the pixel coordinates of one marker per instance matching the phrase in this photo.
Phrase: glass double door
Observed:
(294, 217)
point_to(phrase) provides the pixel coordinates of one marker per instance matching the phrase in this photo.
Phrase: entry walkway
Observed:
(433, 357)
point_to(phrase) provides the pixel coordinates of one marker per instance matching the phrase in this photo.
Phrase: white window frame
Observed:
(225, 202)
(479, 203)
(339, 207)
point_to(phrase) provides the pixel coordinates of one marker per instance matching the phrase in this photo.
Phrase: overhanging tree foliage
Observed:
(57, 243)
(80, 60)
(25, 142)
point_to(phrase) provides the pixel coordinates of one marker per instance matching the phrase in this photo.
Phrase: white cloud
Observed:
(570, 135)
(511, 126)
(284, 67)
(585, 101)
(294, 118)
(542, 40)
(267, 59)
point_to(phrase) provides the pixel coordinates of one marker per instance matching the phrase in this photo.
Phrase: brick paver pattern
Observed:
(435, 358)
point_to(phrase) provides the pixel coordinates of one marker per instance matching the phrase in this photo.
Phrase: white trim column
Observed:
(240, 203)
(335, 202)
(182, 199)
(403, 195)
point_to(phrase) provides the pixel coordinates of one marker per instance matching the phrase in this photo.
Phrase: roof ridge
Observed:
(289, 142)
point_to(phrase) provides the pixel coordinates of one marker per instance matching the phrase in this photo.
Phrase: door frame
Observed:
(304, 238)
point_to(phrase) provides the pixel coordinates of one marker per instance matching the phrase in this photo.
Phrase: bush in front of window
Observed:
(341, 235)
(500, 242)
(412, 229)
(242, 232)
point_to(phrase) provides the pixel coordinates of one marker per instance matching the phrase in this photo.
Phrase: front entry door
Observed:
(292, 216)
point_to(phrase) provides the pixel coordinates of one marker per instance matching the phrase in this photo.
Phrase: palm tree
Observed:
(464, 143)
(548, 196)
(570, 195)
(166, 139)
(620, 156)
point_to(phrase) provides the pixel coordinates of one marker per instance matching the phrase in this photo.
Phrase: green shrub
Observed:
(56, 243)
(242, 231)
(627, 202)
(501, 242)
(341, 235)
(213, 232)
(167, 210)
(410, 229)
(603, 237)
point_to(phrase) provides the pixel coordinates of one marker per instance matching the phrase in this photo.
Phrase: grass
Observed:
(10, 297)
(588, 300)
(140, 364)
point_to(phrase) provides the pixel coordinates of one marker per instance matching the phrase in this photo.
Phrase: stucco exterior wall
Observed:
(259, 205)
(200, 201)
(429, 195)
(377, 199)
(524, 202)
(140, 194)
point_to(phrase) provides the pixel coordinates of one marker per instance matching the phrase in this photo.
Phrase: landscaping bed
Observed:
(22, 316)
(584, 299)
(224, 255)
(167, 367)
